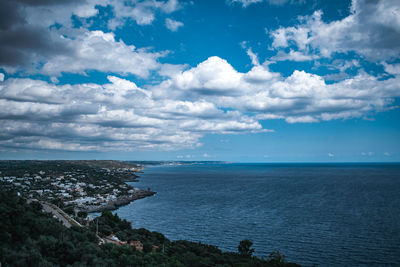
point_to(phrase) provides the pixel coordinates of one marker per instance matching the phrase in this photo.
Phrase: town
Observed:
(74, 186)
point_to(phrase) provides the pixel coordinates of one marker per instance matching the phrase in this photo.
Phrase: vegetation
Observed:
(29, 237)
(245, 249)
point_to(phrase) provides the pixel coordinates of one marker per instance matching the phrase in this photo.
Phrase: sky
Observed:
(230, 80)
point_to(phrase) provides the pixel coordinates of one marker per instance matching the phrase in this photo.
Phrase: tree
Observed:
(244, 248)
(70, 210)
(276, 259)
(82, 214)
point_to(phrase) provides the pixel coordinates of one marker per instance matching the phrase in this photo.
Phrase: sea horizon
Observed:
(192, 161)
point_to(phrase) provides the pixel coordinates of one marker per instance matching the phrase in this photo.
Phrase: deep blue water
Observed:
(315, 214)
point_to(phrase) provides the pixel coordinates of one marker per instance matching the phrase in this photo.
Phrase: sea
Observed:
(314, 214)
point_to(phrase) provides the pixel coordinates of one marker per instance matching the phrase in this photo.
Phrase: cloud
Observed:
(38, 37)
(44, 12)
(117, 115)
(253, 56)
(169, 70)
(331, 155)
(367, 153)
(371, 30)
(246, 3)
(213, 76)
(212, 97)
(293, 56)
(96, 50)
(172, 25)
(26, 35)
(391, 68)
(301, 97)
(26, 46)
(142, 12)
(81, 52)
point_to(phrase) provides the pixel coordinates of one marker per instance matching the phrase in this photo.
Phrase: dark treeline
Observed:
(29, 237)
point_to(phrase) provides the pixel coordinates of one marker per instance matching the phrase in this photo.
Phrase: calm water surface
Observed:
(315, 214)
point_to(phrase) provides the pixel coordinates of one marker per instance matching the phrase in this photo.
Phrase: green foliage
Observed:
(69, 210)
(244, 248)
(82, 214)
(58, 202)
(276, 259)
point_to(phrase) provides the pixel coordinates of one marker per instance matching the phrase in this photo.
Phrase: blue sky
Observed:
(233, 80)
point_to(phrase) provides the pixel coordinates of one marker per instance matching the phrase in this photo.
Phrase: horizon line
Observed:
(210, 161)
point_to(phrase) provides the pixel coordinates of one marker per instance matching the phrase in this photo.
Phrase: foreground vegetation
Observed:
(29, 237)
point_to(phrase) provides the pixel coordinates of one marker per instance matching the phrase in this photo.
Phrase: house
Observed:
(113, 239)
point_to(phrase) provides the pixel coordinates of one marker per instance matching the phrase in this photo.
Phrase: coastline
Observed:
(120, 201)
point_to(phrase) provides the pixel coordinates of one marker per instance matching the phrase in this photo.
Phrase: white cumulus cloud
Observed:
(301, 97)
(173, 25)
(371, 30)
(117, 115)
(96, 50)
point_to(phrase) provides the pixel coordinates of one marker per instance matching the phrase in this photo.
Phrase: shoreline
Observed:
(120, 201)
(87, 185)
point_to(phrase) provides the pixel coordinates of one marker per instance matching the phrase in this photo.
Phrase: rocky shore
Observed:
(120, 201)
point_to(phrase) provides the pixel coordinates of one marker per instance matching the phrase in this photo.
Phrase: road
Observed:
(66, 220)
(47, 208)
